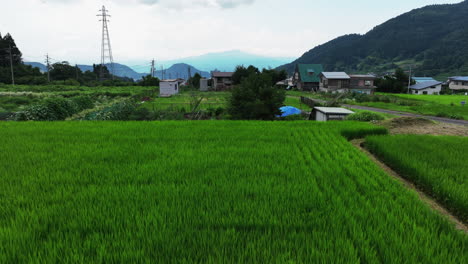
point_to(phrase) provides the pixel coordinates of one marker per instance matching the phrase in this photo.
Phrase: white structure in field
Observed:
(204, 85)
(331, 113)
(428, 87)
(168, 87)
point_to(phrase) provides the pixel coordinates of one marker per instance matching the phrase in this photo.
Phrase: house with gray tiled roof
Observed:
(428, 87)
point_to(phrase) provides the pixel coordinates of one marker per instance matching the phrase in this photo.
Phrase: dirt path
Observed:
(424, 197)
(399, 113)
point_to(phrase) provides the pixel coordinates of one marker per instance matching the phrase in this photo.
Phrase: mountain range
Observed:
(228, 60)
(433, 40)
(180, 70)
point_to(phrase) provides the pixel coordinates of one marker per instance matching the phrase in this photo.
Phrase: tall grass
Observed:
(437, 164)
(208, 192)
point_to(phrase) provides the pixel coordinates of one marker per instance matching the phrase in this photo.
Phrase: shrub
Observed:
(54, 109)
(385, 99)
(365, 117)
(83, 102)
(119, 111)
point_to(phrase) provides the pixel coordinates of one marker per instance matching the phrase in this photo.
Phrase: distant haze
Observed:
(222, 61)
(140, 30)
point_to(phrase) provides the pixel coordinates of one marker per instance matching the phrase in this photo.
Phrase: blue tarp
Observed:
(289, 110)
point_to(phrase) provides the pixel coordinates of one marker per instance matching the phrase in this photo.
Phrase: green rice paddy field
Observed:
(437, 164)
(208, 192)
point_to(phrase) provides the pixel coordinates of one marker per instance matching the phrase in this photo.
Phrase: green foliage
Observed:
(119, 111)
(432, 38)
(64, 71)
(398, 83)
(365, 117)
(149, 81)
(54, 109)
(208, 192)
(255, 98)
(436, 164)
(242, 72)
(194, 81)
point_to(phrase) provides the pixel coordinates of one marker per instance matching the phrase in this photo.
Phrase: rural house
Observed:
(429, 87)
(222, 80)
(168, 87)
(306, 76)
(362, 84)
(458, 83)
(335, 82)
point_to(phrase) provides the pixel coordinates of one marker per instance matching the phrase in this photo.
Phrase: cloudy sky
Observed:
(169, 29)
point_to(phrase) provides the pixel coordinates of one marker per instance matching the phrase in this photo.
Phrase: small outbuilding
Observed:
(429, 87)
(205, 85)
(331, 113)
(169, 87)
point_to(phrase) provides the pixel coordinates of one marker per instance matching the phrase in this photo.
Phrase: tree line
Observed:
(11, 58)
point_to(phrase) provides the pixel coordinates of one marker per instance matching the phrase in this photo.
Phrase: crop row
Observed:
(436, 164)
(208, 192)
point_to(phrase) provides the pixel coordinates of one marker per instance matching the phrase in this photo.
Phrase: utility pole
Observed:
(48, 67)
(76, 71)
(189, 73)
(152, 68)
(11, 66)
(409, 81)
(106, 50)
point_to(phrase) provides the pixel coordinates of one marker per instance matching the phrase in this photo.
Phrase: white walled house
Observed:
(429, 87)
(458, 83)
(168, 87)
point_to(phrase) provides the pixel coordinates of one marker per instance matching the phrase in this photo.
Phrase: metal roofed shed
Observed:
(325, 114)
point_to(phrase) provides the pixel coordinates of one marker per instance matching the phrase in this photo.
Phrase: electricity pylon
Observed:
(106, 50)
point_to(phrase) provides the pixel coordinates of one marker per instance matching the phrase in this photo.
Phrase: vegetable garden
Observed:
(211, 192)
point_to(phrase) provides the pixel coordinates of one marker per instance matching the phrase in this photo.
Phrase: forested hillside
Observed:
(434, 39)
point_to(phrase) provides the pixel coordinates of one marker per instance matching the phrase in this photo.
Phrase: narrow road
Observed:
(399, 113)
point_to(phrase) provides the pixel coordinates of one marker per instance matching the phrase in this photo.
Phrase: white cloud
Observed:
(187, 4)
(173, 4)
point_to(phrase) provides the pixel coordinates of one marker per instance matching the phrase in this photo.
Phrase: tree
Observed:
(64, 71)
(6, 43)
(149, 81)
(195, 80)
(241, 72)
(393, 84)
(275, 75)
(256, 99)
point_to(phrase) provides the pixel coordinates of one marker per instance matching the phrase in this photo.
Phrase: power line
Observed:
(105, 44)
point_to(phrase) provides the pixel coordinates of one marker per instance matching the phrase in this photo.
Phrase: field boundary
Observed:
(431, 202)
(401, 113)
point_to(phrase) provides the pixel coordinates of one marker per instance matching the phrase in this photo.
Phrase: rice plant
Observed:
(208, 192)
(437, 164)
